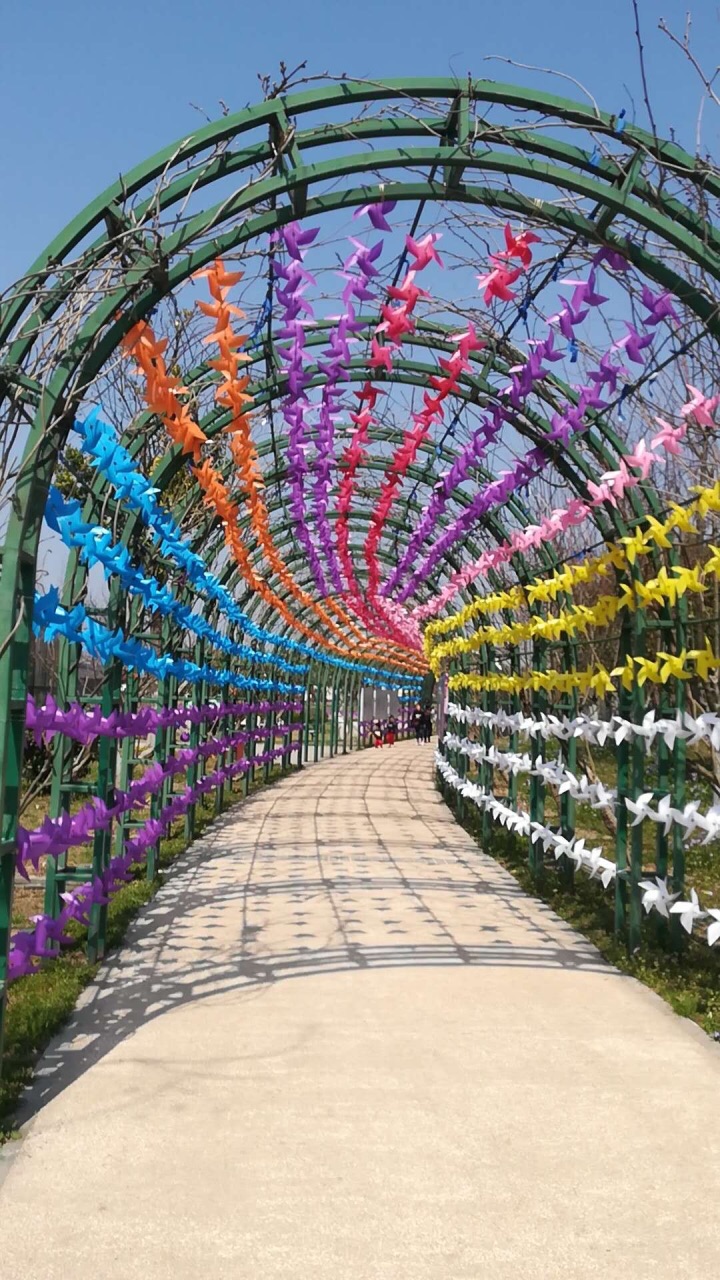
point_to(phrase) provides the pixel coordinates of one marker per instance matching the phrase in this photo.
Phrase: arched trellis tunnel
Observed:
(263, 539)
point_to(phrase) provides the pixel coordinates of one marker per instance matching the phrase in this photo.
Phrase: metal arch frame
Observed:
(155, 268)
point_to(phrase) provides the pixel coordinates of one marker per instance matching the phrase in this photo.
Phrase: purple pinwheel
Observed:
(296, 239)
(607, 373)
(634, 343)
(584, 294)
(613, 258)
(566, 318)
(659, 305)
(376, 213)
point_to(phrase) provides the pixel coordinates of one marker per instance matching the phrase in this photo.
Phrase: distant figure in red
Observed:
(377, 734)
(391, 732)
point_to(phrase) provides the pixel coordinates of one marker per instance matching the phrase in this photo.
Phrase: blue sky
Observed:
(90, 89)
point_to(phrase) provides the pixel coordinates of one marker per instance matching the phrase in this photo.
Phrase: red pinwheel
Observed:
(518, 246)
(380, 357)
(408, 292)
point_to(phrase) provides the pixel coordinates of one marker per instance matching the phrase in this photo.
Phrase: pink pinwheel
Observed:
(577, 511)
(642, 459)
(601, 493)
(468, 342)
(669, 438)
(518, 246)
(700, 407)
(424, 251)
(376, 214)
(496, 283)
(620, 480)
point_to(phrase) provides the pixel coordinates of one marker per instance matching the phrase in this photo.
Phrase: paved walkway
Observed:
(453, 1086)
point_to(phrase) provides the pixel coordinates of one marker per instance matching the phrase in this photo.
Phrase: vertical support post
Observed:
(347, 703)
(538, 705)
(319, 692)
(269, 744)
(63, 752)
(567, 753)
(196, 737)
(17, 608)
(334, 712)
(679, 770)
(514, 737)
(307, 712)
(105, 790)
(250, 747)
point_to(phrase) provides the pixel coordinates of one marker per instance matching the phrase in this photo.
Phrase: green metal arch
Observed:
(110, 235)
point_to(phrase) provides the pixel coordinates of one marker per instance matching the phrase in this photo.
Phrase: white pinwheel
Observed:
(600, 867)
(559, 727)
(666, 814)
(672, 730)
(713, 932)
(690, 818)
(640, 808)
(712, 721)
(689, 911)
(577, 852)
(656, 894)
(711, 823)
(624, 730)
(696, 729)
(541, 832)
(604, 796)
(648, 729)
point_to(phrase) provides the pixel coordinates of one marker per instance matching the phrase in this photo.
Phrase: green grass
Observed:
(687, 977)
(40, 1005)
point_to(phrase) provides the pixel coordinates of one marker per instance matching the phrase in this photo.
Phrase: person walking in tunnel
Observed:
(426, 724)
(378, 734)
(416, 722)
(391, 729)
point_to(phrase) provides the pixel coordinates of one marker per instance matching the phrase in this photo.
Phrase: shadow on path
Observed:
(352, 866)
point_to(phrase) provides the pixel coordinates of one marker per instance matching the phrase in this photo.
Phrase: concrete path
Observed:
(452, 1086)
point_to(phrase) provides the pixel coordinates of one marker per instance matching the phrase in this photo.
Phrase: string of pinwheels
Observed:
(580, 788)
(655, 892)
(28, 947)
(56, 835)
(162, 396)
(100, 443)
(85, 724)
(615, 729)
